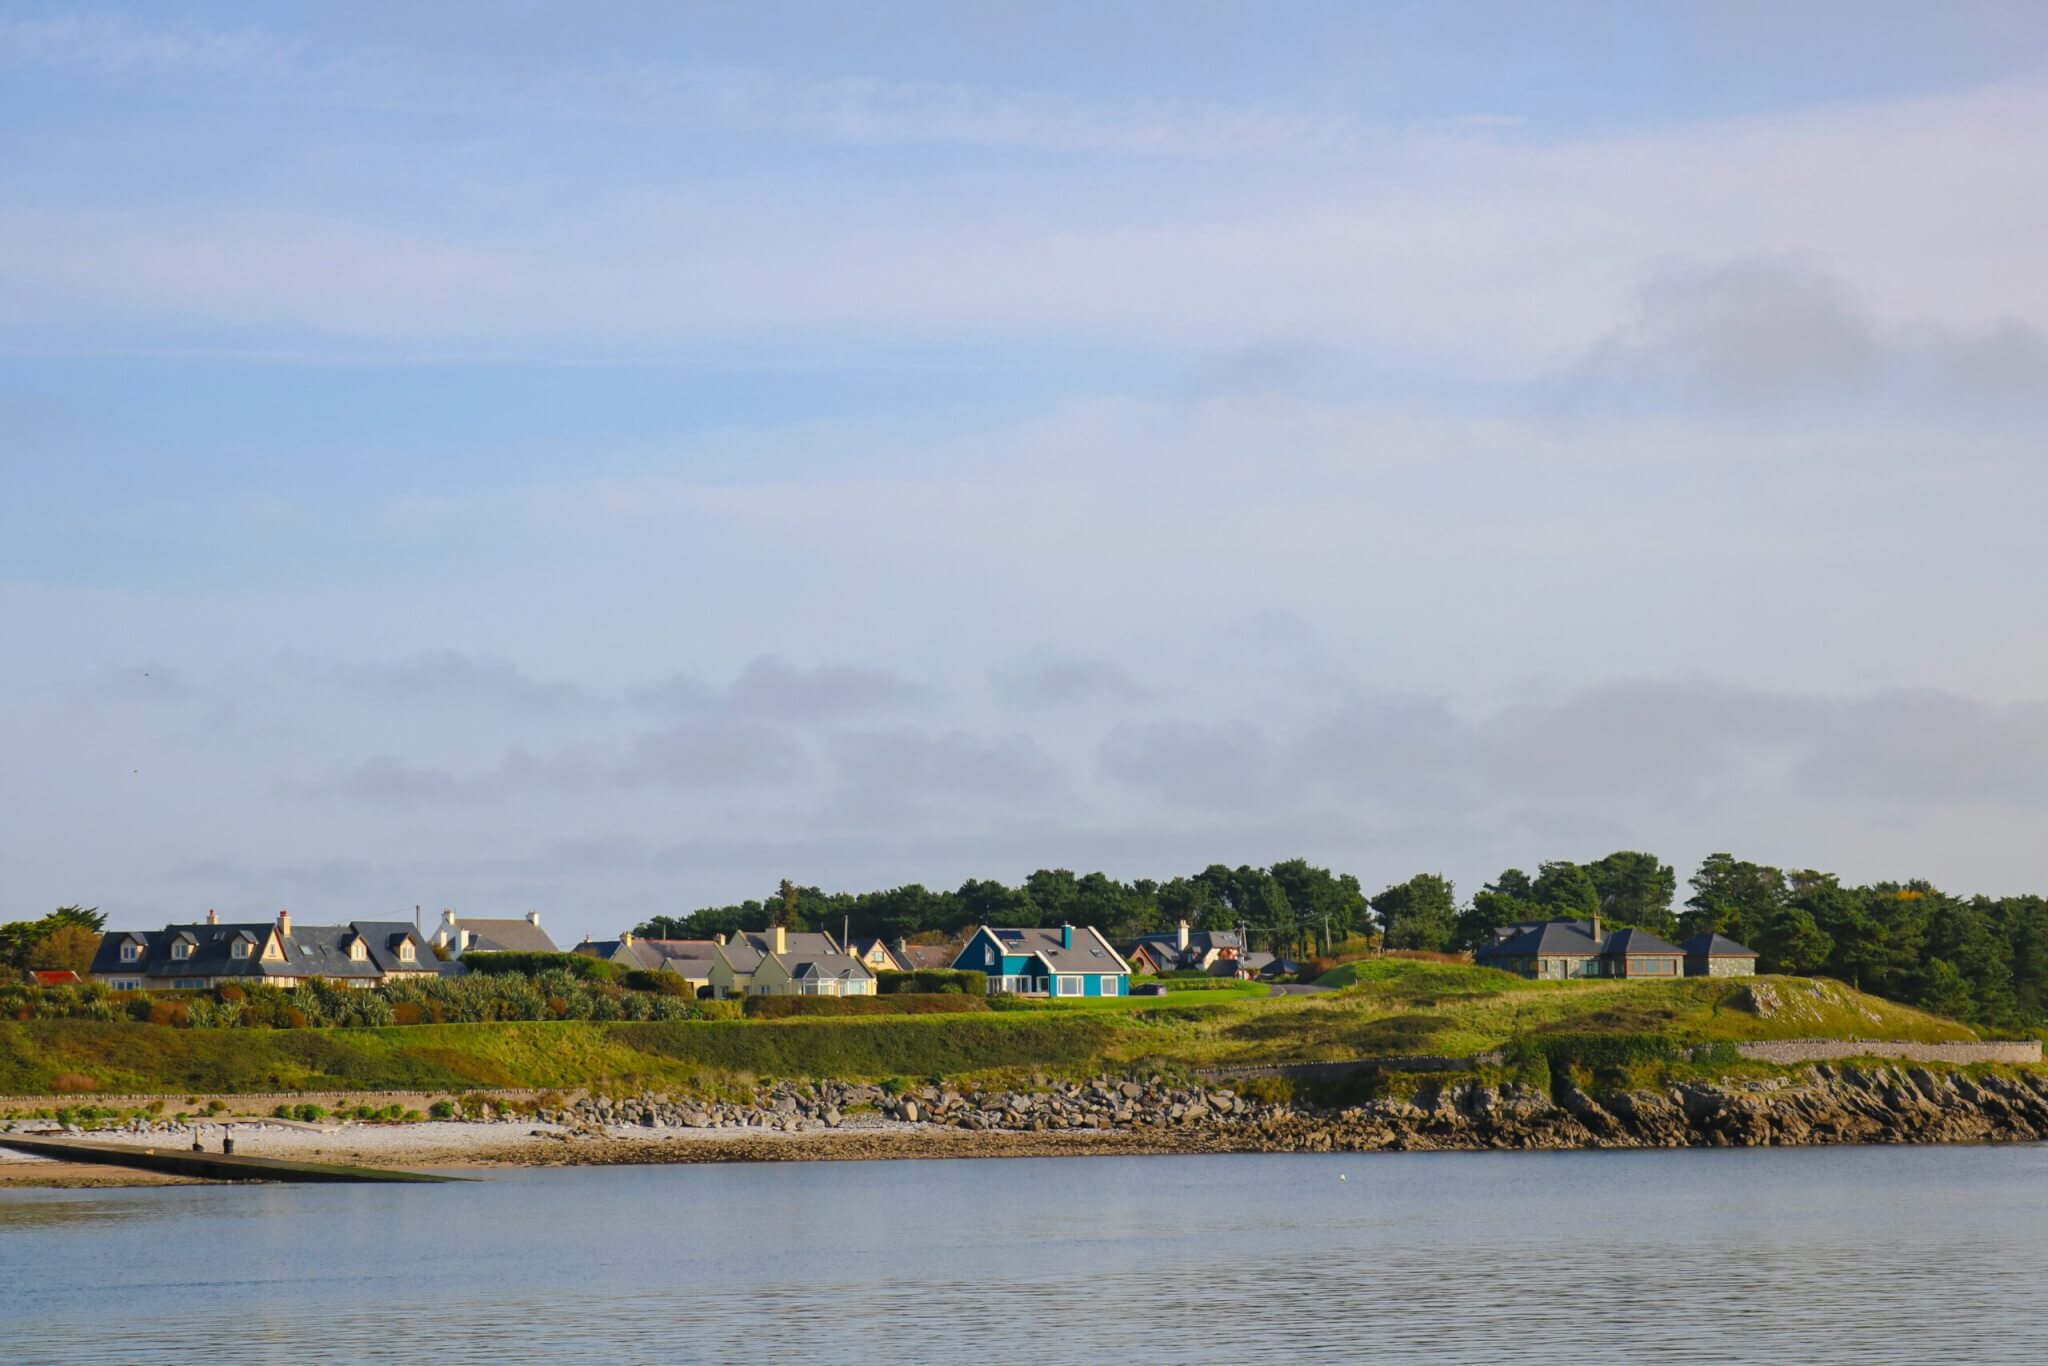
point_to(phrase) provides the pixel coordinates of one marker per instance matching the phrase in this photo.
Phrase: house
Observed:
(925, 957)
(1252, 966)
(1716, 955)
(460, 934)
(1151, 959)
(1062, 961)
(362, 953)
(1568, 949)
(877, 955)
(1189, 950)
(690, 959)
(784, 962)
(626, 951)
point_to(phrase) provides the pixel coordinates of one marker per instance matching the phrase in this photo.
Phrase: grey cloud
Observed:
(772, 687)
(1190, 763)
(1924, 747)
(706, 756)
(1770, 333)
(1049, 680)
(950, 766)
(1261, 368)
(148, 682)
(445, 678)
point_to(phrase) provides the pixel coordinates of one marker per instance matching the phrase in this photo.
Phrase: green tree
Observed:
(1792, 942)
(1420, 913)
(68, 946)
(1565, 891)
(1735, 898)
(1635, 889)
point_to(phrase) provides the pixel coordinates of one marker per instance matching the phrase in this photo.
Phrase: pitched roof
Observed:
(745, 950)
(1624, 942)
(916, 956)
(309, 951)
(1707, 944)
(1090, 952)
(506, 936)
(1546, 939)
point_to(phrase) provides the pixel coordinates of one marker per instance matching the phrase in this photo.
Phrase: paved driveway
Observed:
(1297, 989)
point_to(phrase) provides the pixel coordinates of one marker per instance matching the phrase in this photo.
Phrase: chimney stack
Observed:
(533, 917)
(778, 941)
(212, 916)
(626, 938)
(718, 939)
(284, 923)
(1182, 936)
(1066, 936)
(1596, 927)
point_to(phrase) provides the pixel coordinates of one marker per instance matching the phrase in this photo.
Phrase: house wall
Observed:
(1697, 966)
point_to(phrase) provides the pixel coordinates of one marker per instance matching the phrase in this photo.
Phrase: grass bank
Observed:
(1389, 1008)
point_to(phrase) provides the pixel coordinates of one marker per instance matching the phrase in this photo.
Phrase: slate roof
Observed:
(916, 956)
(615, 951)
(1165, 948)
(505, 936)
(1707, 944)
(309, 951)
(1090, 951)
(1624, 942)
(690, 957)
(840, 967)
(744, 951)
(1547, 939)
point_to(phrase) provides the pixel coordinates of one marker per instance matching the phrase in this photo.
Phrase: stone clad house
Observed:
(362, 953)
(1062, 961)
(1570, 949)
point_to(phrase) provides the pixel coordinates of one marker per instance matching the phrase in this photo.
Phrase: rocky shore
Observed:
(835, 1121)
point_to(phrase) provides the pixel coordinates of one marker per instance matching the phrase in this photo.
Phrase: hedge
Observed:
(500, 963)
(902, 1003)
(930, 981)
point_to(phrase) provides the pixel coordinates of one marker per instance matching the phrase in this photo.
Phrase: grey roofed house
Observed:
(1189, 949)
(1577, 948)
(745, 950)
(1708, 954)
(362, 951)
(925, 956)
(626, 951)
(461, 934)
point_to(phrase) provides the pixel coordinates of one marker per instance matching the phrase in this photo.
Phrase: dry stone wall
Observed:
(1837, 1050)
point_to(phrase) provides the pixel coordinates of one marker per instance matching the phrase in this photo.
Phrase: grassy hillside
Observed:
(1388, 1008)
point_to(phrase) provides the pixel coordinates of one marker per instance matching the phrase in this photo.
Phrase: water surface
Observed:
(1802, 1255)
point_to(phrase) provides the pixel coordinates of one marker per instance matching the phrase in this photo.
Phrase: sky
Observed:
(603, 459)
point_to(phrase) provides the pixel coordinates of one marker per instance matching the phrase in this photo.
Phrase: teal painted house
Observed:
(1058, 961)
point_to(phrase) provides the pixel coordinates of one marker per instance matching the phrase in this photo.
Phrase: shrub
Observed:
(932, 981)
(309, 1113)
(662, 982)
(442, 1109)
(66, 1082)
(783, 1007)
(534, 964)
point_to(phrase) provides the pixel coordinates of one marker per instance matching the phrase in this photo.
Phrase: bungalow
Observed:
(362, 953)
(1046, 962)
(460, 934)
(782, 962)
(1570, 949)
(1188, 950)
(1716, 955)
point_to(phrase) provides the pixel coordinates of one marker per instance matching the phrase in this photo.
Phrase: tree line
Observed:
(1289, 907)
(67, 937)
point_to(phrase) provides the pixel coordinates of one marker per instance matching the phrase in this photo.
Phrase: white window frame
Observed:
(358, 951)
(1060, 984)
(241, 948)
(127, 984)
(405, 952)
(181, 949)
(131, 952)
(190, 984)
(1108, 985)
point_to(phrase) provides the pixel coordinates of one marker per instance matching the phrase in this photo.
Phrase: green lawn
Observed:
(1391, 1008)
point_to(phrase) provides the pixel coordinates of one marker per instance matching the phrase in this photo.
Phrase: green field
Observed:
(1389, 1008)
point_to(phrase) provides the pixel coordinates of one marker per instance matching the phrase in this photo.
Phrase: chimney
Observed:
(212, 917)
(533, 917)
(1183, 936)
(284, 923)
(626, 938)
(1066, 936)
(448, 916)
(718, 939)
(1596, 927)
(778, 942)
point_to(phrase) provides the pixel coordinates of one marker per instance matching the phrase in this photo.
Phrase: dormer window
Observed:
(358, 950)
(181, 949)
(405, 951)
(241, 948)
(131, 952)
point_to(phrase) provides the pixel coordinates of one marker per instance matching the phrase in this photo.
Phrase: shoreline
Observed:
(1826, 1105)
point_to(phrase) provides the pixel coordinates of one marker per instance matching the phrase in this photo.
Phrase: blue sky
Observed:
(605, 458)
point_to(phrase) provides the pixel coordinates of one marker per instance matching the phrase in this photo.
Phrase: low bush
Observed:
(902, 1003)
(932, 981)
(664, 983)
(501, 964)
(441, 1109)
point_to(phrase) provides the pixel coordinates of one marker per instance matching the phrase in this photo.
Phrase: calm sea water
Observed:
(1815, 1255)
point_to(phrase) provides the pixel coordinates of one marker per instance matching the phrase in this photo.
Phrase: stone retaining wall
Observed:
(1835, 1050)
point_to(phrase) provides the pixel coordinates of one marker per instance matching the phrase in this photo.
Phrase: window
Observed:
(1109, 986)
(1070, 986)
(181, 949)
(127, 984)
(131, 953)
(405, 952)
(241, 948)
(358, 950)
(191, 984)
